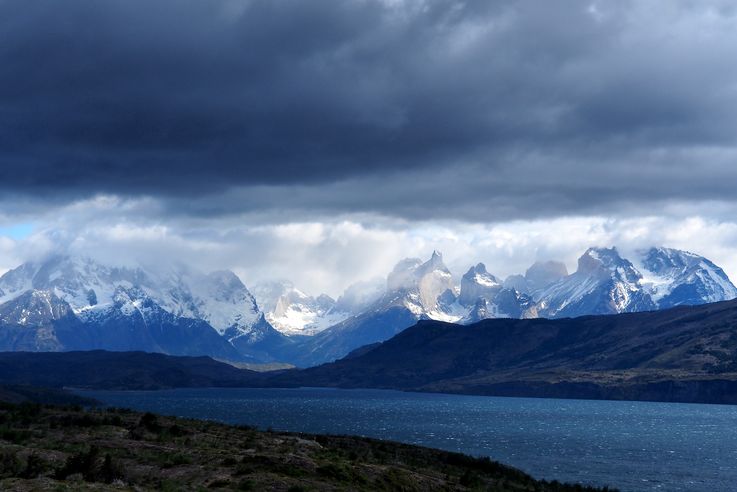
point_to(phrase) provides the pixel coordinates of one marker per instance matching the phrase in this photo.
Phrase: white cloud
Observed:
(328, 254)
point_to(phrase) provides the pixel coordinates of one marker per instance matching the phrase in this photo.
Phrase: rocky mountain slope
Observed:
(67, 303)
(484, 296)
(293, 312)
(41, 321)
(677, 278)
(415, 290)
(604, 283)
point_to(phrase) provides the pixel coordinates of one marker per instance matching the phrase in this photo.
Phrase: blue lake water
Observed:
(635, 446)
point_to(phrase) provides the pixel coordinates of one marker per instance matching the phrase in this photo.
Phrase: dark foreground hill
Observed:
(686, 354)
(18, 394)
(119, 370)
(52, 448)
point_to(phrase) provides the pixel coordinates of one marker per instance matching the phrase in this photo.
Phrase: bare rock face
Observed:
(434, 280)
(420, 284)
(478, 283)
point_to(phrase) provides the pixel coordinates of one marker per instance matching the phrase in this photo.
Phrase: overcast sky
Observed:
(322, 141)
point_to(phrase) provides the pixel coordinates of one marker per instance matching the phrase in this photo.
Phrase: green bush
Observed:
(176, 459)
(10, 465)
(110, 470)
(339, 473)
(35, 466)
(16, 436)
(83, 463)
(246, 485)
(150, 422)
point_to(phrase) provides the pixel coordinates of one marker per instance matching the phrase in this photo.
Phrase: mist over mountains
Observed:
(76, 303)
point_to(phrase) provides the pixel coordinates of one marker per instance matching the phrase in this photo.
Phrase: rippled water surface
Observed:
(635, 446)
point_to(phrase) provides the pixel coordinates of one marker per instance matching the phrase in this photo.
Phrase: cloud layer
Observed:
(324, 140)
(329, 255)
(480, 109)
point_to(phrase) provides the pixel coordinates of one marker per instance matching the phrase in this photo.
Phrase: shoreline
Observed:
(113, 449)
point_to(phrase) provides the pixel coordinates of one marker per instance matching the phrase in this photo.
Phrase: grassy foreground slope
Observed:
(68, 448)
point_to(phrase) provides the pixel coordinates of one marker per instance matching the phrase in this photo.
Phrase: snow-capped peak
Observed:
(482, 277)
(595, 259)
(675, 277)
(605, 283)
(478, 283)
(219, 298)
(292, 311)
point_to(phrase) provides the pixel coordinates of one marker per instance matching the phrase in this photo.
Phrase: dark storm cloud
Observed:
(409, 108)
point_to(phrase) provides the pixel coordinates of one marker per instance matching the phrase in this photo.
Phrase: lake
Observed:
(636, 446)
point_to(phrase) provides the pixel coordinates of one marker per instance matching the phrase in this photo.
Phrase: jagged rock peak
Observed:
(418, 285)
(435, 263)
(436, 258)
(478, 268)
(604, 259)
(408, 272)
(478, 283)
(479, 275)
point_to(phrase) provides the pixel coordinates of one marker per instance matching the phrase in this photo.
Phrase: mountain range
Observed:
(604, 283)
(70, 303)
(684, 354)
(680, 354)
(75, 303)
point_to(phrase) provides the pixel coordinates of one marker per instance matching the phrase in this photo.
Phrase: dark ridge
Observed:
(100, 369)
(684, 354)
